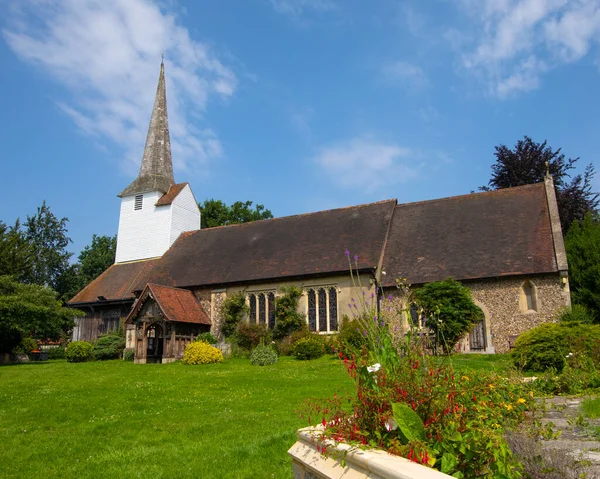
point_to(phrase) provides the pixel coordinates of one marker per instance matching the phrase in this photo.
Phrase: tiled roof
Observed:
(117, 283)
(176, 304)
(293, 246)
(168, 198)
(481, 235)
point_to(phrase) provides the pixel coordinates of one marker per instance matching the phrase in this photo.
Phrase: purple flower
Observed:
(390, 297)
(365, 334)
(349, 305)
(382, 324)
(372, 295)
(355, 257)
(375, 319)
(347, 253)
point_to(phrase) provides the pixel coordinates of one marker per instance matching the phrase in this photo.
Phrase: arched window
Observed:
(528, 297)
(262, 308)
(322, 309)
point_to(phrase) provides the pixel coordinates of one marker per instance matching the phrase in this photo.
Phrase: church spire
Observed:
(156, 171)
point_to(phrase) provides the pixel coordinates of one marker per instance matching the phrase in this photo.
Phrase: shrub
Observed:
(263, 355)
(449, 309)
(285, 346)
(110, 346)
(26, 346)
(79, 352)
(548, 346)
(575, 314)
(200, 352)
(129, 355)
(207, 338)
(250, 335)
(56, 353)
(287, 317)
(350, 335)
(309, 348)
(233, 310)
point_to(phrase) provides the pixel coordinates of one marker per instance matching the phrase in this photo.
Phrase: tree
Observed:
(16, 253)
(582, 243)
(30, 310)
(287, 317)
(48, 237)
(217, 213)
(449, 309)
(232, 312)
(526, 164)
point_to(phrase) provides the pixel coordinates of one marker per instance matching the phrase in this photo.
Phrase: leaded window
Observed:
(262, 308)
(322, 309)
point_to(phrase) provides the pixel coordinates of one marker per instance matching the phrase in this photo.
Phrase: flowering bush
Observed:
(249, 335)
(413, 404)
(200, 352)
(79, 352)
(263, 355)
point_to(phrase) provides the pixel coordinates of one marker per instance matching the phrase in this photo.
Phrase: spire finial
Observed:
(162, 57)
(547, 170)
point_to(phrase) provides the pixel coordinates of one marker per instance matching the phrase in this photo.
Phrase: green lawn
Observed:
(117, 419)
(482, 362)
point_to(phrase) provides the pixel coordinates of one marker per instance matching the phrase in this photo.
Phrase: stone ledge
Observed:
(309, 463)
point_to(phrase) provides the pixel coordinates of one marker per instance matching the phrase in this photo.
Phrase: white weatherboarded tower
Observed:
(155, 210)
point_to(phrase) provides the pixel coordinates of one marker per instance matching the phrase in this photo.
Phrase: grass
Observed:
(116, 419)
(482, 362)
(591, 408)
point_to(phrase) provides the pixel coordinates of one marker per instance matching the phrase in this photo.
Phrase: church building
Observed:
(170, 278)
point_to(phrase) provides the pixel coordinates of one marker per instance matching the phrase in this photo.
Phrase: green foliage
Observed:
(525, 164)
(26, 346)
(16, 253)
(548, 346)
(576, 313)
(287, 317)
(217, 213)
(110, 346)
(30, 310)
(350, 336)
(263, 355)
(57, 352)
(48, 236)
(309, 348)
(285, 346)
(582, 243)
(591, 408)
(449, 309)
(233, 310)
(201, 353)
(250, 335)
(79, 352)
(129, 355)
(207, 338)
(410, 425)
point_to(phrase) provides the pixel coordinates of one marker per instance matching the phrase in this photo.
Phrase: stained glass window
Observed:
(271, 301)
(322, 310)
(252, 308)
(333, 315)
(312, 310)
(262, 309)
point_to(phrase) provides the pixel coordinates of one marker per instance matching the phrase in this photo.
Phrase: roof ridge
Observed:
(298, 215)
(474, 193)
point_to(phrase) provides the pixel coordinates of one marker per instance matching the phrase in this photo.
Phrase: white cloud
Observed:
(365, 164)
(517, 41)
(107, 53)
(405, 73)
(298, 7)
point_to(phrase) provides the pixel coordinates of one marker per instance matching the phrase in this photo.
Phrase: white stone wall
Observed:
(185, 214)
(143, 233)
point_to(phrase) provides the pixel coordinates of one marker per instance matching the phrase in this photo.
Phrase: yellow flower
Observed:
(509, 407)
(466, 378)
(491, 386)
(520, 401)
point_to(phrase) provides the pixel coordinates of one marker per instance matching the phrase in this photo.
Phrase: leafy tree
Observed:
(449, 309)
(16, 253)
(48, 237)
(30, 310)
(287, 317)
(233, 310)
(526, 164)
(582, 243)
(217, 213)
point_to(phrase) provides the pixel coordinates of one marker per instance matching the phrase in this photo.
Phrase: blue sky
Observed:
(300, 105)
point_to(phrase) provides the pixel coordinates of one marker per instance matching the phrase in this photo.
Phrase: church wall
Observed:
(185, 214)
(99, 320)
(212, 300)
(143, 233)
